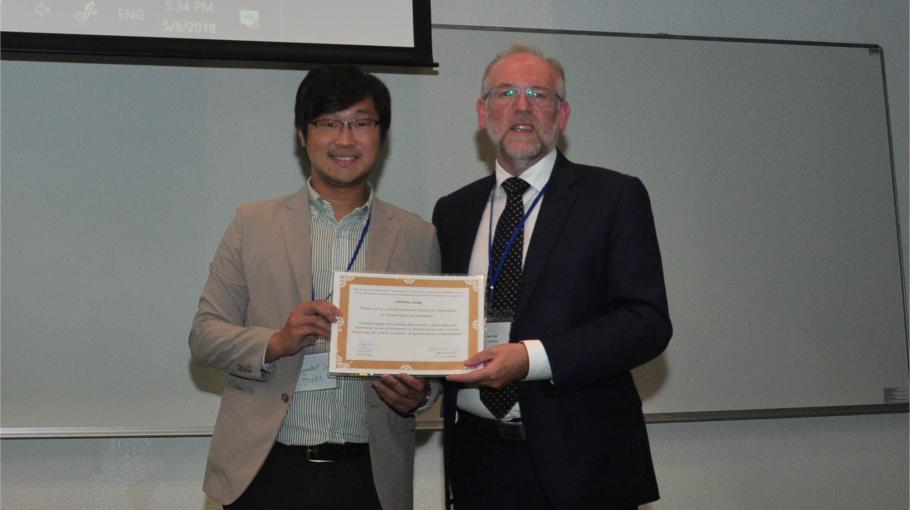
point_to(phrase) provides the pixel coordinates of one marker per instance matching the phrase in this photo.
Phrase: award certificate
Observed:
(413, 324)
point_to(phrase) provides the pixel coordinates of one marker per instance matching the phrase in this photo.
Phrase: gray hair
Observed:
(520, 48)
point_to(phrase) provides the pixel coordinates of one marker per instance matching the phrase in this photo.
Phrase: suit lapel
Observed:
(294, 220)
(554, 211)
(382, 236)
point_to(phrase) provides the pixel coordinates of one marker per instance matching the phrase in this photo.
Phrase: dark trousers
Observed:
(288, 481)
(490, 472)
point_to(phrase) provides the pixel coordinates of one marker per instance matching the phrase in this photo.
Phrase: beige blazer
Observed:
(260, 272)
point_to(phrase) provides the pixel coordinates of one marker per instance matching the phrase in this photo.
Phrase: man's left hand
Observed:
(501, 365)
(401, 392)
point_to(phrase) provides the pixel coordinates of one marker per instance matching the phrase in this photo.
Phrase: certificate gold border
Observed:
(474, 285)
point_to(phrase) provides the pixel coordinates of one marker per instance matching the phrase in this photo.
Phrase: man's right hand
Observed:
(308, 321)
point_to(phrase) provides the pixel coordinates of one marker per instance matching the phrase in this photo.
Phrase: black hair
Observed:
(334, 88)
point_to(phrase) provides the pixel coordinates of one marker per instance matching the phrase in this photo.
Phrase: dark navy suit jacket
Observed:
(592, 290)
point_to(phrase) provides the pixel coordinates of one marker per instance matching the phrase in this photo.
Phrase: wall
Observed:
(829, 462)
(882, 22)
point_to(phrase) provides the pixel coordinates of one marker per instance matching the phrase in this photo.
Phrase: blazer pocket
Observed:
(619, 418)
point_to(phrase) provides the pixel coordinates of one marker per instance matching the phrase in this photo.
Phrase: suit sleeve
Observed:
(630, 324)
(219, 337)
(443, 234)
(435, 260)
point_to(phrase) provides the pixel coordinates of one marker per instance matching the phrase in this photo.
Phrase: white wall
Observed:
(882, 22)
(830, 462)
(827, 463)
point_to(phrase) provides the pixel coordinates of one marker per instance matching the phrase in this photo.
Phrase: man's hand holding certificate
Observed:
(414, 324)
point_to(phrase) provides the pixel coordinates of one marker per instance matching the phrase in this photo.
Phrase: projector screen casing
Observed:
(22, 44)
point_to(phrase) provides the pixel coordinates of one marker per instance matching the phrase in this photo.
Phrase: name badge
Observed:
(314, 374)
(496, 333)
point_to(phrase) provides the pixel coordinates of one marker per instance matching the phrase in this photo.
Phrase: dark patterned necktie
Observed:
(503, 296)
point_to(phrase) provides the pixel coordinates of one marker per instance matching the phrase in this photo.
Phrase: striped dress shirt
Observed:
(336, 415)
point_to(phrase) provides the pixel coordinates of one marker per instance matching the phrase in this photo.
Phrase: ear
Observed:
(481, 107)
(562, 116)
(301, 135)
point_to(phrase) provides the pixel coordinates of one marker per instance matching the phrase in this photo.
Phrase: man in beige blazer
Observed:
(288, 436)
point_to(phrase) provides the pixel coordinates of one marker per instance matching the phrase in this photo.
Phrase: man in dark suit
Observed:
(551, 418)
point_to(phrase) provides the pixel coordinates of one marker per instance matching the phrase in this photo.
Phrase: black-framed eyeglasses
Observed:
(335, 125)
(537, 96)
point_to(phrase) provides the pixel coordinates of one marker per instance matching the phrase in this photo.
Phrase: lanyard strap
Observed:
(363, 235)
(495, 274)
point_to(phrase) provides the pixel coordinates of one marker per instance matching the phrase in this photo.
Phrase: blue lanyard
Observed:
(494, 275)
(363, 235)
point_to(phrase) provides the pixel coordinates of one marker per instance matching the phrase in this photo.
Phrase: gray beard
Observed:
(523, 159)
(529, 154)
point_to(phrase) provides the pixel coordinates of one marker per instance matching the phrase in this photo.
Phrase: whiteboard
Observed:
(768, 166)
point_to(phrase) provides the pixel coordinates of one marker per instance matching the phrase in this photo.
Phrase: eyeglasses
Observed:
(335, 125)
(537, 96)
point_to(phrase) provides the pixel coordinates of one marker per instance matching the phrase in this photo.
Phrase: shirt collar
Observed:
(324, 207)
(536, 175)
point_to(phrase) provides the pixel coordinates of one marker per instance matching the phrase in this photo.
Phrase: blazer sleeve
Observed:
(219, 337)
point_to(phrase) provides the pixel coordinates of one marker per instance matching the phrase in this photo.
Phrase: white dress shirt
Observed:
(538, 363)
